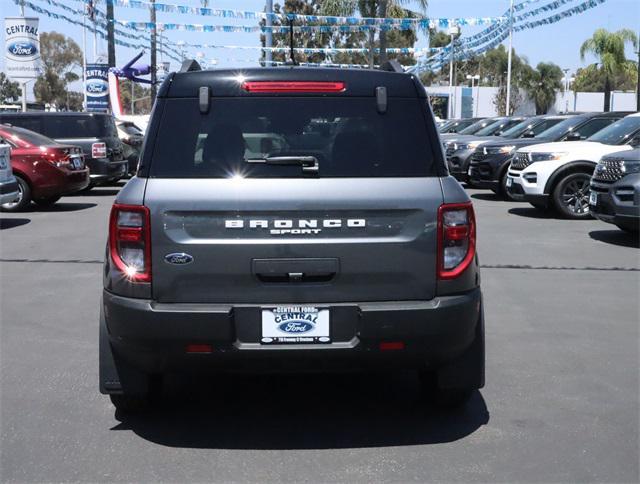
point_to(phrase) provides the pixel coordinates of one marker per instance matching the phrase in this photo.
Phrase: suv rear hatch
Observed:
(237, 218)
(87, 131)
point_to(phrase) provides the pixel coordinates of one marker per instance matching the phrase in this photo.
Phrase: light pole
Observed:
(509, 59)
(567, 82)
(471, 78)
(453, 31)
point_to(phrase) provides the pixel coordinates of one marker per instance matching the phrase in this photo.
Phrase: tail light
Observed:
(130, 241)
(99, 150)
(456, 239)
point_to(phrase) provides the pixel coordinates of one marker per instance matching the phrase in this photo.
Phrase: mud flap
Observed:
(467, 371)
(116, 377)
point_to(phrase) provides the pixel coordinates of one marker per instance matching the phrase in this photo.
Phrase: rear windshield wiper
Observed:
(309, 163)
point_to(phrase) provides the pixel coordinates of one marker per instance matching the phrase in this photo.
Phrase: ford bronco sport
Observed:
(290, 219)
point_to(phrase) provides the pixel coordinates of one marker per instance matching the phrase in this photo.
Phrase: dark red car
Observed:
(45, 170)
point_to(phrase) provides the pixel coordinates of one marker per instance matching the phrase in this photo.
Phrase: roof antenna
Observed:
(291, 54)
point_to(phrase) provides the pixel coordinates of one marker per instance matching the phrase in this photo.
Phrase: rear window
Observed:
(347, 136)
(89, 126)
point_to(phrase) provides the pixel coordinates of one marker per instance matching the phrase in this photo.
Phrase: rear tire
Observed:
(47, 202)
(24, 197)
(571, 196)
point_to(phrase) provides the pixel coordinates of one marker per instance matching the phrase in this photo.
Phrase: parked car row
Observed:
(81, 150)
(549, 161)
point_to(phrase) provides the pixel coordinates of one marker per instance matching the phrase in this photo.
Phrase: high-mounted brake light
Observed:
(456, 239)
(293, 86)
(130, 241)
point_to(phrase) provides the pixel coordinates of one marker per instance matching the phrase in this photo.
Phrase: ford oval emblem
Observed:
(97, 88)
(295, 326)
(178, 258)
(22, 49)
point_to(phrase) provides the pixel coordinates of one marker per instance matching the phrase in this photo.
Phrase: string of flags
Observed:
(88, 26)
(405, 23)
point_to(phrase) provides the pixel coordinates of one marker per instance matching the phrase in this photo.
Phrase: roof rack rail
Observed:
(190, 65)
(391, 66)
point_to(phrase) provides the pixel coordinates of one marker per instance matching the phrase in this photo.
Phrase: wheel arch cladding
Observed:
(584, 166)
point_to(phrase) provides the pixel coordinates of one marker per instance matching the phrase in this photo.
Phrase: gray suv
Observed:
(291, 219)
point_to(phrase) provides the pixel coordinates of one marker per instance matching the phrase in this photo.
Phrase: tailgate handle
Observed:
(295, 270)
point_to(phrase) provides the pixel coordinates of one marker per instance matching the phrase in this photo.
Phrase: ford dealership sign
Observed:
(22, 48)
(97, 87)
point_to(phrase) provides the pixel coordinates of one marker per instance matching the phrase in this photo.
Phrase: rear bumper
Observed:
(103, 170)
(153, 337)
(8, 190)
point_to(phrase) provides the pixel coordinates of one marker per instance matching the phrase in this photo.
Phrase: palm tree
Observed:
(542, 84)
(609, 48)
(368, 8)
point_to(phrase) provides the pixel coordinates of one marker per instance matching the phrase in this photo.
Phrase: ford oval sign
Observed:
(97, 88)
(178, 258)
(293, 326)
(22, 49)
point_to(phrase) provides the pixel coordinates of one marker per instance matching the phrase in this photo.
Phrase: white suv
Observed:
(556, 175)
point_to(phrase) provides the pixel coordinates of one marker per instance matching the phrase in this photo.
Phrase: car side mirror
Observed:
(573, 136)
(529, 134)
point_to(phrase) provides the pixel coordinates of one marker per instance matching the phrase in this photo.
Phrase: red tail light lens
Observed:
(130, 241)
(99, 150)
(291, 86)
(456, 239)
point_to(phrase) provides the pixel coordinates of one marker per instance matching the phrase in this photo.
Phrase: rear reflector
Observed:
(391, 345)
(199, 348)
(293, 86)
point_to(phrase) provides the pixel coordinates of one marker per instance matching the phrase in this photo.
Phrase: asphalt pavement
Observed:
(561, 402)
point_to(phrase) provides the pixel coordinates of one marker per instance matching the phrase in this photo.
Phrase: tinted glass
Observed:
(537, 126)
(556, 132)
(87, 126)
(593, 126)
(30, 137)
(477, 126)
(494, 128)
(617, 133)
(347, 136)
(131, 129)
(31, 123)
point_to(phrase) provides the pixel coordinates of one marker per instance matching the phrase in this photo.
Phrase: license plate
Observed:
(509, 181)
(295, 324)
(77, 163)
(593, 198)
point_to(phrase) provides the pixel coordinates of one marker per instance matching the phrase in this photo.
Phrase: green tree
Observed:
(141, 94)
(377, 8)
(9, 90)
(542, 84)
(609, 47)
(61, 58)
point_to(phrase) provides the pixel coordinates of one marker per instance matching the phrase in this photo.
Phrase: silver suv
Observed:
(291, 219)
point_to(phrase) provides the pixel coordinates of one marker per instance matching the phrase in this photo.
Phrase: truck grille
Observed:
(520, 161)
(478, 156)
(608, 170)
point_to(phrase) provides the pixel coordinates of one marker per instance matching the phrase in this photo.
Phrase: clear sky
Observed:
(557, 43)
